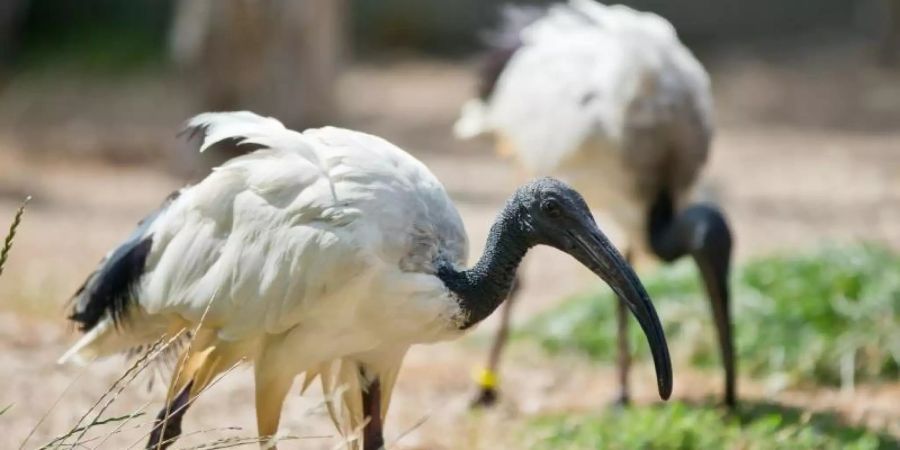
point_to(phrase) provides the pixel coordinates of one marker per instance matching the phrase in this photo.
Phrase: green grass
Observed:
(761, 426)
(829, 316)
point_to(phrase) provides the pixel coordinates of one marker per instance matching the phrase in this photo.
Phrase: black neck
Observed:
(485, 286)
(665, 242)
(700, 230)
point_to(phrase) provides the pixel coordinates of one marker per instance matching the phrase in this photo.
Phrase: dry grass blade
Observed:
(353, 436)
(116, 388)
(119, 427)
(52, 407)
(414, 427)
(11, 235)
(211, 430)
(232, 442)
(83, 444)
(60, 440)
(187, 404)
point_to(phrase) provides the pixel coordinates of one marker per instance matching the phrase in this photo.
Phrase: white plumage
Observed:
(604, 97)
(268, 255)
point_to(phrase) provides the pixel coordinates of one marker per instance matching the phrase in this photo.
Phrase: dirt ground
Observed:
(789, 178)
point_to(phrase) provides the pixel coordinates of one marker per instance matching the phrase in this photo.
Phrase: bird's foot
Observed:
(730, 402)
(486, 398)
(622, 401)
(163, 435)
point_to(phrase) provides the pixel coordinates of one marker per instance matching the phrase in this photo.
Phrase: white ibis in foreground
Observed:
(328, 252)
(609, 100)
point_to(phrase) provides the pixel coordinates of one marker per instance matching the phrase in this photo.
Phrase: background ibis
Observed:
(609, 100)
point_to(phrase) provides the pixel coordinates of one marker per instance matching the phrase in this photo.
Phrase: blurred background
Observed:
(805, 160)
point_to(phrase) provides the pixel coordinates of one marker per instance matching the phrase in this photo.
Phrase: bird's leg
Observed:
(373, 437)
(623, 359)
(195, 370)
(271, 389)
(487, 377)
(167, 426)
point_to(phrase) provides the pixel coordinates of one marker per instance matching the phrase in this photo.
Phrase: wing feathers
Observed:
(243, 126)
(110, 290)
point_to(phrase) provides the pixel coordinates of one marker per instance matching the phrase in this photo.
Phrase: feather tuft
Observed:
(244, 127)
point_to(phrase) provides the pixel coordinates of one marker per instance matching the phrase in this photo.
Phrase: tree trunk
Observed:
(275, 57)
(278, 57)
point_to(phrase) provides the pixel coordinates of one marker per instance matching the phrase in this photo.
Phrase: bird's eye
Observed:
(551, 208)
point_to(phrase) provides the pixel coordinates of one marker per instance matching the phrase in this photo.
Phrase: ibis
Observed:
(607, 99)
(326, 253)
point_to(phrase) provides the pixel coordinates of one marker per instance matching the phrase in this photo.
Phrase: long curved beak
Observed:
(595, 251)
(715, 277)
(712, 253)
